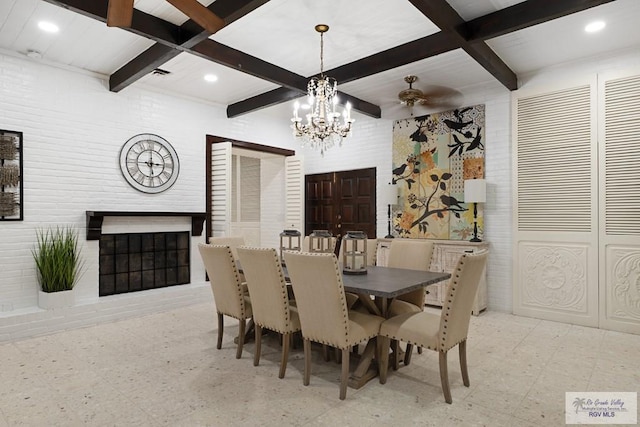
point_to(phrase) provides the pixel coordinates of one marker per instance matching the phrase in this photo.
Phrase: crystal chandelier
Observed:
(323, 128)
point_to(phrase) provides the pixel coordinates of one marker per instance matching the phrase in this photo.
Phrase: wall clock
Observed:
(149, 163)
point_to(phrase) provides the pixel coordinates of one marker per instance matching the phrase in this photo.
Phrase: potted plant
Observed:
(59, 266)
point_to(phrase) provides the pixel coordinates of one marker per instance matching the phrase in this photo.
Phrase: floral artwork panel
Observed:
(432, 156)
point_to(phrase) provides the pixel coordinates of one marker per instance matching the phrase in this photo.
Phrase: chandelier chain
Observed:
(323, 128)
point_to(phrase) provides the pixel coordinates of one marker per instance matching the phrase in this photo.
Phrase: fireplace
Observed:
(133, 262)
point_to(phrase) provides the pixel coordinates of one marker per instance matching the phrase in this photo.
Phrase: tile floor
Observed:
(164, 370)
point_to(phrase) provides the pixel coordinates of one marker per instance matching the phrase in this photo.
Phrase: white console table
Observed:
(445, 258)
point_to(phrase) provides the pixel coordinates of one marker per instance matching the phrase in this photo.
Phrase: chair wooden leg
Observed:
(336, 352)
(325, 353)
(344, 377)
(258, 334)
(383, 364)
(243, 326)
(444, 376)
(220, 329)
(462, 351)
(307, 361)
(396, 352)
(407, 354)
(286, 341)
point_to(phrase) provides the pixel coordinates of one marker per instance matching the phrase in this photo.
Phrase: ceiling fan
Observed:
(432, 97)
(120, 14)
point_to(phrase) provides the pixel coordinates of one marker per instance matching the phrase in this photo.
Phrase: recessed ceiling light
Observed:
(211, 78)
(49, 27)
(595, 26)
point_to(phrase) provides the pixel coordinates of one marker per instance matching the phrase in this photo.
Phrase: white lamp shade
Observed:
(389, 194)
(475, 191)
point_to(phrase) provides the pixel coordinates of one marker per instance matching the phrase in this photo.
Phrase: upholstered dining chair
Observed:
(412, 254)
(228, 293)
(270, 302)
(317, 284)
(440, 332)
(232, 241)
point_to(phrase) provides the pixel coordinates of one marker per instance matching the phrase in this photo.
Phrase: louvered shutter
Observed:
(221, 189)
(294, 193)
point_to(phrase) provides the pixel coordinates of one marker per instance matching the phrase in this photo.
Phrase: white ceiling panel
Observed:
(472, 9)
(564, 40)
(187, 78)
(281, 32)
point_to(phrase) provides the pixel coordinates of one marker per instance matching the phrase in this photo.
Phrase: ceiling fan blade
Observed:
(120, 13)
(200, 14)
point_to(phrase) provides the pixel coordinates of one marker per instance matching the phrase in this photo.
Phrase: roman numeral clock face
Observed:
(149, 163)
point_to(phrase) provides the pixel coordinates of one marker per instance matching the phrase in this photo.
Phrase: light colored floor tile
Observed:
(164, 370)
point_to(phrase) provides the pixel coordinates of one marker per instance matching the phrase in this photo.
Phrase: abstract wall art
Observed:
(432, 156)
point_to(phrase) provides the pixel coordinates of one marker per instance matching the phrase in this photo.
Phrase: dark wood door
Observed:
(341, 201)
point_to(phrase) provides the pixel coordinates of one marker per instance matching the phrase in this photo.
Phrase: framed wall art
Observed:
(11, 187)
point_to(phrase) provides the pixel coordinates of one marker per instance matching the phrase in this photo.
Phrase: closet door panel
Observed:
(619, 98)
(555, 215)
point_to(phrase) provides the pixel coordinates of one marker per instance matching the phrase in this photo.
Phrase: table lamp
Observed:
(389, 196)
(475, 191)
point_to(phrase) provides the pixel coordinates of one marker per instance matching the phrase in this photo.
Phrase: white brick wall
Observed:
(73, 130)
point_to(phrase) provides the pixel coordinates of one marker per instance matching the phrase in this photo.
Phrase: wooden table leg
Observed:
(367, 368)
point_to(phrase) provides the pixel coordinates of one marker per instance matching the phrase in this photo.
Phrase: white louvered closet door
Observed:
(555, 215)
(221, 189)
(294, 193)
(619, 106)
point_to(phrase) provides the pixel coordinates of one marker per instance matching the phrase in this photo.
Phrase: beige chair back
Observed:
(412, 255)
(461, 292)
(267, 288)
(233, 242)
(320, 298)
(225, 281)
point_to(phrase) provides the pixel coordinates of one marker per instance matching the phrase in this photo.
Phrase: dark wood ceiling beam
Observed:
(143, 24)
(407, 53)
(391, 58)
(264, 100)
(447, 19)
(190, 35)
(523, 15)
(291, 83)
(283, 94)
(233, 58)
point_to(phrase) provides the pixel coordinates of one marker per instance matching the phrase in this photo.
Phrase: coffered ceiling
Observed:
(268, 49)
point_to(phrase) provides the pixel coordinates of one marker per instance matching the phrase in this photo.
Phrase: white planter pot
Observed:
(53, 300)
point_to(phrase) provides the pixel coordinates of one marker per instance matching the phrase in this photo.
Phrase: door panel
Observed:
(357, 201)
(341, 202)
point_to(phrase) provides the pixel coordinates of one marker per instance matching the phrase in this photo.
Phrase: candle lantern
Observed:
(289, 241)
(320, 241)
(354, 253)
